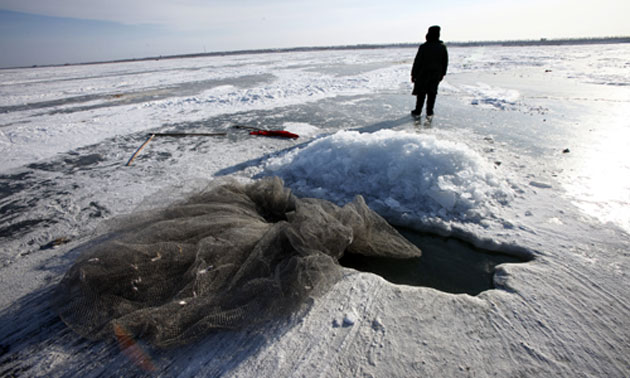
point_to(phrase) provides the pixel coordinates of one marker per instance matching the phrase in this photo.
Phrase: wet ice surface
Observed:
(66, 133)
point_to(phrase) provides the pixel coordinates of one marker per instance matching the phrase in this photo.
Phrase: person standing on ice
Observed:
(428, 69)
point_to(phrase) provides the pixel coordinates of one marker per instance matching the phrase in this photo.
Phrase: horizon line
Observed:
(363, 46)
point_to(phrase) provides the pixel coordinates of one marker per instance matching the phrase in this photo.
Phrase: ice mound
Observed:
(228, 257)
(398, 173)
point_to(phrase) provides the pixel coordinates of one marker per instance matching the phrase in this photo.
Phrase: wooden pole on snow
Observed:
(188, 134)
(151, 136)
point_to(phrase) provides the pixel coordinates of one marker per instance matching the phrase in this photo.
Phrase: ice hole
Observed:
(447, 264)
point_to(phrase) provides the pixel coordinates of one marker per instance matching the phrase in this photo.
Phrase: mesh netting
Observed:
(229, 257)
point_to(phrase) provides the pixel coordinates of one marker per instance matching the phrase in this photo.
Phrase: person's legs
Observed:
(430, 103)
(419, 103)
(432, 91)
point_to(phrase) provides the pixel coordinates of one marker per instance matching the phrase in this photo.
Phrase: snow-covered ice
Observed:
(526, 155)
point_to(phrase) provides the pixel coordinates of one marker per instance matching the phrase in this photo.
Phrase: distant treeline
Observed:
(542, 41)
(539, 42)
(545, 42)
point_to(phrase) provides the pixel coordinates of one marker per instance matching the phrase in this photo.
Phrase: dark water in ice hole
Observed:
(447, 264)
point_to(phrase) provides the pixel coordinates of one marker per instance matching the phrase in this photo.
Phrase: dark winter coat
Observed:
(429, 67)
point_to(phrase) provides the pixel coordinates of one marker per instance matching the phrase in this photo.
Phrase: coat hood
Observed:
(433, 33)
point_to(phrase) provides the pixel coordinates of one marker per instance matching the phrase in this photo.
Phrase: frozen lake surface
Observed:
(526, 156)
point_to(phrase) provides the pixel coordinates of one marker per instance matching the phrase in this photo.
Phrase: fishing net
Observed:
(226, 258)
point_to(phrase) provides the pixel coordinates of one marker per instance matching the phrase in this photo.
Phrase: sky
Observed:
(39, 32)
